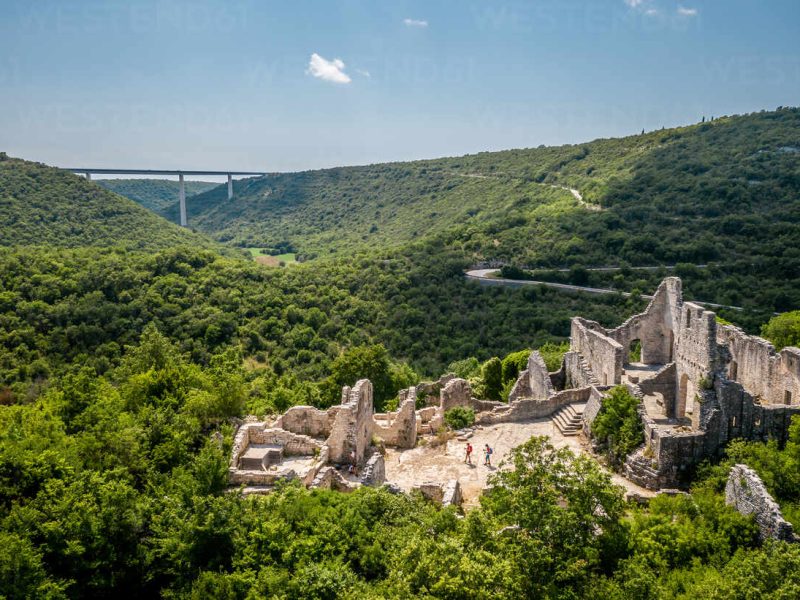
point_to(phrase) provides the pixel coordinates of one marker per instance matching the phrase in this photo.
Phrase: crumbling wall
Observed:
(662, 383)
(374, 472)
(746, 493)
(770, 376)
(429, 419)
(534, 381)
(292, 443)
(696, 357)
(593, 405)
(577, 373)
(399, 428)
(352, 427)
(604, 356)
(524, 410)
(429, 391)
(308, 420)
(654, 327)
(457, 392)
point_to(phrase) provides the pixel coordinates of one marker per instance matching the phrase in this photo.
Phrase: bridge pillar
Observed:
(230, 187)
(182, 200)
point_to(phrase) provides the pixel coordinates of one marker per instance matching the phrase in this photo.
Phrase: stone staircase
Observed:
(569, 419)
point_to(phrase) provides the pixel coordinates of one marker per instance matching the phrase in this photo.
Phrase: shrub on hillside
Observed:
(459, 417)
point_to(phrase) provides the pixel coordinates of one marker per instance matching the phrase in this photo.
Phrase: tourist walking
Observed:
(487, 456)
(468, 457)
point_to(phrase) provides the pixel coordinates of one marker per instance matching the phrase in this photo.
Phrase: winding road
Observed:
(485, 277)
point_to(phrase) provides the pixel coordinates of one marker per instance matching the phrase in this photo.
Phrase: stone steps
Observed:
(569, 419)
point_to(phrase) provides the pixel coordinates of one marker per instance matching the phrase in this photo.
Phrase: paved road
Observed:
(484, 276)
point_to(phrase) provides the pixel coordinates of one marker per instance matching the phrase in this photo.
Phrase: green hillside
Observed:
(679, 188)
(725, 192)
(45, 206)
(154, 194)
(121, 372)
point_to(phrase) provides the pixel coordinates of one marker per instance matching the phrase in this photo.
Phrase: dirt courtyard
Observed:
(406, 468)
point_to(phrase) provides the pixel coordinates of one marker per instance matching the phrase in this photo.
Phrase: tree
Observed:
(362, 362)
(492, 376)
(783, 330)
(618, 424)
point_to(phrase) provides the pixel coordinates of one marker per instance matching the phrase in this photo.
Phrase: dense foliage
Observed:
(43, 206)
(783, 330)
(59, 308)
(128, 346)
(726, 192)
(459, 417)
(618, 425)
(154, 194)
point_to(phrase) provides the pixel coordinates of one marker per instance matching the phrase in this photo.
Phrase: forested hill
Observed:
(45, 206)
(155, 194)
(724, 191)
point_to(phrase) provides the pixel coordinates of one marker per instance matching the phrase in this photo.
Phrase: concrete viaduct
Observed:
(182, 191)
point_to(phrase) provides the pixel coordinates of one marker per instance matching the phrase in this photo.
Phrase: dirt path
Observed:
(407, 468)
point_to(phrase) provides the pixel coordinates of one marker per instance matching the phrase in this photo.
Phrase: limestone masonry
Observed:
(700, 384)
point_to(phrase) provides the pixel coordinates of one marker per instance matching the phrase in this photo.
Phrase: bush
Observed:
(492, 376)
(783, 330)
(553, 354)
(618, 424)
(459, 417)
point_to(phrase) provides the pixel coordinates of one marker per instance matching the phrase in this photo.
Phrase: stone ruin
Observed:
(700, 384)
(746, 493)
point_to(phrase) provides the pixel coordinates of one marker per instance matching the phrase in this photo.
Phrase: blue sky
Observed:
(289, 85)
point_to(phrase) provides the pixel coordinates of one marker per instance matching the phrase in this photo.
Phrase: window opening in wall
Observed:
(688, 317)
(733, 422)
(635, 351)
(734, 370)
(787, 397)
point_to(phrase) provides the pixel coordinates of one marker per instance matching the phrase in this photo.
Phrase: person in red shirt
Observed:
(468, 457)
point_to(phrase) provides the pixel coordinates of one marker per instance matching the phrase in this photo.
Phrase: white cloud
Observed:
(687, 12)
(415, 23)
(643, 6)
(327, 70)
(363, 73)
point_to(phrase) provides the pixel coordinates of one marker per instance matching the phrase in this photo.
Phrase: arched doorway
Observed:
(634, 352)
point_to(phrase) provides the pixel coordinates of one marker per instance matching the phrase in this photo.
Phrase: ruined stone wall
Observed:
(292, 443)
(521, 388)
(753, 362)
(523, 410)
(696, 356)
(746, 493)
(352, 426)
(603, 355)
(662, 383)
(577, 373)
(655, 326)
(593, 405)
(374, 472)
(457, 392)
(539, 382)
(399, 428)
(308, 420)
